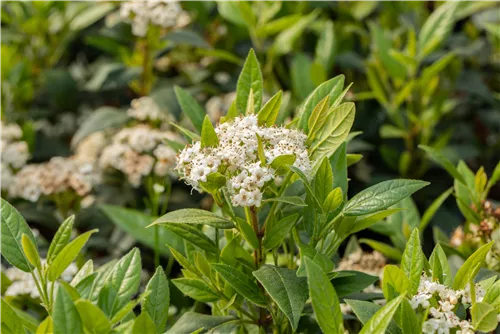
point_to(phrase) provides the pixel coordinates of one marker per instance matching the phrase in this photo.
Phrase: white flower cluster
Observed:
(24, 284)
(162, 13)
(15, 153)
(146, 109)
(443, 318)
(236, 157)
(58, 175)
(139, 150)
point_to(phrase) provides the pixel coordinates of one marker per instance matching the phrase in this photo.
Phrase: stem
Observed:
(157, 245)
(472, 293)
(280, 192)
(170, 264)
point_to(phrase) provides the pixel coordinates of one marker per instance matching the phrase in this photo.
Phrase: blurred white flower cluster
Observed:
(24, 284)
(442, 319)
(146, 109)
(371, 263)
(162, 13)
(218, 106)
(15, 153)
(139, 150)
(59, 175)
(237, 158)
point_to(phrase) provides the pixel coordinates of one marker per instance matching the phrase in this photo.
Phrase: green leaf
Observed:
(27, 320)
(90, 15)
(471, 267)
(333, 201)
(250, 80)
(352, 282)
(269, 112)
(309, 190)
(301, 72)
(379, 322)
(61, 238)
(332, 88)
(94, 320)
(194, 236)
(134, 223)
(382, 45)
(194, 217)
(208, 136)
(125, 279)
(364, 222)
(293, 200)
(31, 251)
(46, 327)
(390, 252)
(283, 43)
(67, 255)
(318, 118)
(158, 301)
(281, 163)
(381, 196)
(241, 283)
(101, 119)
(323, 180)
(324, 299)
(196, 289)
(190, 107)
(124, 313)
(65, 316)
(11, 324)
(438, 66)
(190, 322)
(333, 132)
(183, 261)
(13, 226)
(185, 37)
(409, 320)
(445, 163)
(260, 150)
(325, 48)
(339, 168)
(412, 262)
(189, 134)
(440, 268)
(143, 324)
(437, 27)
(365, 310)
(287, 290)
(394, 282)
(248, 232)
(276, 233)
(484, 317)
(431, 210)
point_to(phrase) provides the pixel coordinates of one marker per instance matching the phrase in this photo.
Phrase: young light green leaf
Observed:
(194, 236)
(250, 80)
(157, 302)
(365, 310)
(412, 261)
(194, 217)
(190, 107)
(379, 322)
(333, 201)
(394, 282)
(208, 136)
(484, 317)
(281, 163)
(189, 134)
(67, 255)
(196, 289)
(143, 324)
(444, 162)
(381, 196)
(85, 271)
(94, 320)
(324, 299)
(125, 312)
(283, 43)
(471, 267)
(439, 266)
(61, 238)
(65, 316)
(389, 251)
(287, 290)
(31, 251)
(183, 261)
(191, 322)
(334, 131)
(260, 150)
(277, 232)
(13, 226)
(323, 180)
(431, 210)
(241, 283)
(46, 327)
(318, 118)
(125, 279)
(325, 48)
(268, 114)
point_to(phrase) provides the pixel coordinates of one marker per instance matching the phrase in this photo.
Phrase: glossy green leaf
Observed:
(94, 320)
(269, 112)
(13, 226)
(364, 222)
(365, 310)
(324, 299)
(484, 317)
(276, 233)
(46, 327)
(65, 316)
(195, 217)
(190, 107)
(333, 201)
(379, 322)
(412, 261)
(312, 253)
(287, 290)
(61, 238)
(157, 302)
(394, 282)
(309, 190)
(281, 163)
(351, 281)
(191, 322)
(318, 118)
(471, 267)
(250, 79)
(323, 180)
(439, 266)
(381, 196)
(125, 279)
(143, 324)
(248, 233)
(246, 286)
(67, 255)
(408, 319)
(196, 289)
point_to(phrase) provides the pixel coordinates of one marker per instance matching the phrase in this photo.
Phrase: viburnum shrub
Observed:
(262, 260)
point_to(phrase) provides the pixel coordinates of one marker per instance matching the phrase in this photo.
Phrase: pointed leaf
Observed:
(471, 267)
(158, 301)
(190, 107)
(65, 317)
(195, 217)
(61, 238)
(439, 266)
(268, 114)
(241, 283)
(208, 136)
(94, 320)
(412, 262)
(250, 80)
(31, 251)
(143, 324)
(381, 320)
(196, 289)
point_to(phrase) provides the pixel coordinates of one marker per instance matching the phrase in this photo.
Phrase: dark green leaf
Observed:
(65, 316)
(196, 289)
(241, 283)
(191, 322)
(250, 80)
(190, 107)
(412, 261)
(158, 301)
(195, 217)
